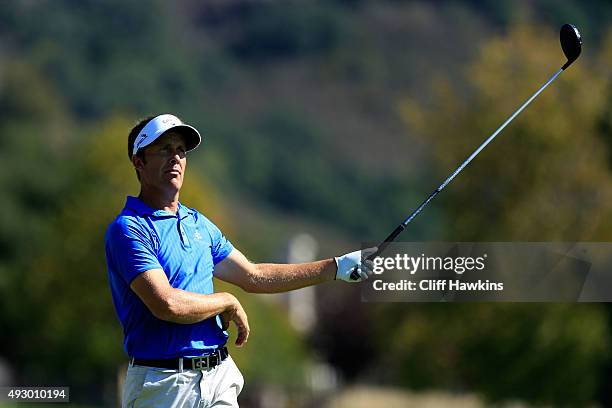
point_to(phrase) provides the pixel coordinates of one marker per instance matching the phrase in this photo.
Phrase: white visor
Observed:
(160, 125)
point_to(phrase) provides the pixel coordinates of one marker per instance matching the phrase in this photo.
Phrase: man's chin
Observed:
(175, 181)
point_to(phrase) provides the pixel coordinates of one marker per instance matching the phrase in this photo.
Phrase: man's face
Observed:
(165, 162)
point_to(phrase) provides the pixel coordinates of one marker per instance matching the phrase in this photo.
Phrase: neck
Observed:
(159, 199)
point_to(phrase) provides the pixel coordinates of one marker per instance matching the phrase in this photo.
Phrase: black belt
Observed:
(189, 363)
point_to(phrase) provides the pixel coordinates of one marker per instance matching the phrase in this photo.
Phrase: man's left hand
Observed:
(346, 263)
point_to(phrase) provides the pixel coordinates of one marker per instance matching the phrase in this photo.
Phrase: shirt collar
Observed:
(184, 211)
(135, 204)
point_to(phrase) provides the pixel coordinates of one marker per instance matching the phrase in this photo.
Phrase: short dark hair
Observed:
(134, 133)
(132, 138)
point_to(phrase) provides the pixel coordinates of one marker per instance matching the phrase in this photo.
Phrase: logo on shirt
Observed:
(197, 235)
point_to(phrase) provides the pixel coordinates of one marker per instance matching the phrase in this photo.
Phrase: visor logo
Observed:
(142, 138)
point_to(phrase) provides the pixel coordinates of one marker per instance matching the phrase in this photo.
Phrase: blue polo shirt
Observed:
(186, 246)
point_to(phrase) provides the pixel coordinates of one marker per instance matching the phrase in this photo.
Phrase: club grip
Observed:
(381, 248)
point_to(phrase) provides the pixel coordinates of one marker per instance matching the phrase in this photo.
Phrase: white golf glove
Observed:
(347, 262)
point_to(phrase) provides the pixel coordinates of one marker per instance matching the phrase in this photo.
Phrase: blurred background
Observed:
(325, 124)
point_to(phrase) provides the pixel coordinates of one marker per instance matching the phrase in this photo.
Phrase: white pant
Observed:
(160, 387)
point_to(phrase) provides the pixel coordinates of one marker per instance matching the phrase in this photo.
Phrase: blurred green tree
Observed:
(34, 133)
(545, 178)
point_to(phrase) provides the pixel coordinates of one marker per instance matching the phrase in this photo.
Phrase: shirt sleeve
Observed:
(130, 250)
(221, 247)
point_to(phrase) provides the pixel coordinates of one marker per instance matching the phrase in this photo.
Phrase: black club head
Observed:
(571, 43)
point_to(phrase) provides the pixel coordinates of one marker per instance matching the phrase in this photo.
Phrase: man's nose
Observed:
(176, 155)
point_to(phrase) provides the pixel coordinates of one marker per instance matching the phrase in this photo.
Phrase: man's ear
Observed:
(137, 162)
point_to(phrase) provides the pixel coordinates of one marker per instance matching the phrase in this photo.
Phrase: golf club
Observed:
(571, 43)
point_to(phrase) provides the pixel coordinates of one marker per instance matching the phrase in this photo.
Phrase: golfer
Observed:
(162, 257)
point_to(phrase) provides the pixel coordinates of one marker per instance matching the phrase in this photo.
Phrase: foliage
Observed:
(545, 354)
(296, 105)
(544, 178)
(275, 31)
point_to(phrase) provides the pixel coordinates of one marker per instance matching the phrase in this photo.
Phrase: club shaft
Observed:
(402, 226)
(479, 149)
(490, 138)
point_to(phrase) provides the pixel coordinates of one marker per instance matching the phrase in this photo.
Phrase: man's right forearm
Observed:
(188, 307)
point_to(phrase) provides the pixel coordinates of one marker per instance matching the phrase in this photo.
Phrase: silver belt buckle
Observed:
(197, 363)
